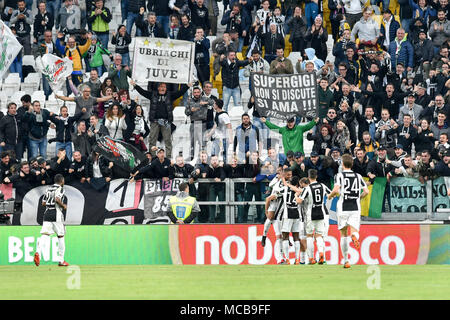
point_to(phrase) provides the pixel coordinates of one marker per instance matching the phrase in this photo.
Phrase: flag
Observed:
(9, 48)
(372, 204)
(54, 69)
(120, 153)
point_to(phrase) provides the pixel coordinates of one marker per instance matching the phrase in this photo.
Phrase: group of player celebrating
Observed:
(297, 206)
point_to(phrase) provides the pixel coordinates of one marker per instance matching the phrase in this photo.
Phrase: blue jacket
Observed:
(424, 14)
(405, 54)
(394, 26)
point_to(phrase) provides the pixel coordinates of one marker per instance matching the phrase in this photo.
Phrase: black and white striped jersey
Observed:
(314, 197)
(351, 184)
(51, 206)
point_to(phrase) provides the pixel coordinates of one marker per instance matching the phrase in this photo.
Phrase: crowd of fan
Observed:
(384, 99)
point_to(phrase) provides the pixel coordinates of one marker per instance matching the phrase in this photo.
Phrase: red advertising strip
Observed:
(241, 244)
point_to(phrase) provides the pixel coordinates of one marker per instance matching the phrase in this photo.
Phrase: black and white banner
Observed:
(285, 96)
(163, 60)
(120, 202)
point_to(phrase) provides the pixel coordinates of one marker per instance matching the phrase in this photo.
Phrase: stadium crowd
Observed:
(383, 96)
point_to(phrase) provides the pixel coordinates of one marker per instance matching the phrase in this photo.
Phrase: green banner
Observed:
(440, 197)
(117, 244)
(408, 195)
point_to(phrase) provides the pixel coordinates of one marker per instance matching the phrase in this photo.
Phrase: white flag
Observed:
(9, 48)
(163, 60)
(55, 70)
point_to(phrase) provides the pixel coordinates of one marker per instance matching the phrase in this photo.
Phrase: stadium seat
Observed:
(29, 60)
(11, 84)
(16, 97)
(178, 113)
(39, 96)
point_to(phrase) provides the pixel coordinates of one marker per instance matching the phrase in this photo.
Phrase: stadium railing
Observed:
(404, 199)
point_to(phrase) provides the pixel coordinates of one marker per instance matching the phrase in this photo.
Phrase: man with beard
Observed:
(197, 109)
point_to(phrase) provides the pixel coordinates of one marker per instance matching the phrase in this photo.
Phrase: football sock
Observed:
(302, 256)
(43, 244)
(356, 234)
(344, 248)
(310, 247)
(320, 244)
(297, 249)
(61, 248)
(286, 249)
(267, 225)
(280, 247)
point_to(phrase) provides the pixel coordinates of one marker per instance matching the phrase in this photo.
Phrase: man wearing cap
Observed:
(399, 155)
(298, 167)
(442, 168)
(412, 109)
(424, 52)
(292, 134)
(388, 29)
(160, 167)
(324, 175)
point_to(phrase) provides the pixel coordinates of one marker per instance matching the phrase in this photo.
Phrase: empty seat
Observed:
(29, 60)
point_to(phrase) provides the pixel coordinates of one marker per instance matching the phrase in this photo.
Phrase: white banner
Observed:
(163, 60)
(54, 69)
(9, 48)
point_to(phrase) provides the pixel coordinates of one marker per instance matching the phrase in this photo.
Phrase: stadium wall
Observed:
(219, 244)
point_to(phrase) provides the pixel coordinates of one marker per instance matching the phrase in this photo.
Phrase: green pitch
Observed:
(225, 282)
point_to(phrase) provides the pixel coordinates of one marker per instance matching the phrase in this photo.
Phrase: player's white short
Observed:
(326, 221)
(53, 227)
(273, 205)
(348, 218)
(302, 233)
(276, 227)
(290, 225)
(317, 226)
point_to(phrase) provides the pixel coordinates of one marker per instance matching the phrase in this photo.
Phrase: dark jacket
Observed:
(379, 168)
(38, 28)
(135, 5)
(200, 16)
(159, 170)
(159, 7)
(424, 141)
(10, 132)
(121, 42)
(64, 128)
(156, 30)
(423, 51)
(298, 27)
(186, 33)
(38, 130)
(230, 72)
(154, 98)
(361, 167)
(271, 43)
